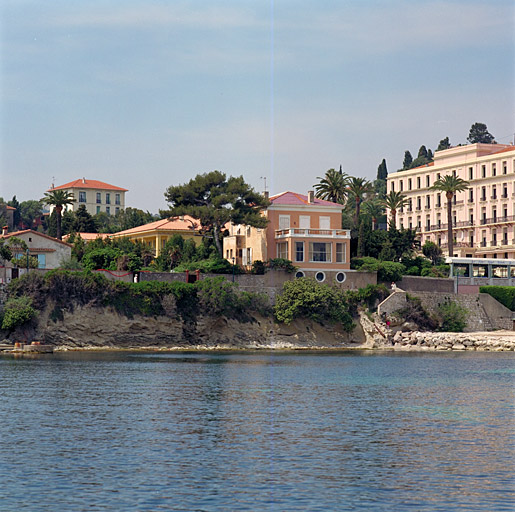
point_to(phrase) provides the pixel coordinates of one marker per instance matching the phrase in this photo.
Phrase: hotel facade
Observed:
(483, 215)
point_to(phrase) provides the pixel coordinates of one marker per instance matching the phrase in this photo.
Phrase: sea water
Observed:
(257, 431)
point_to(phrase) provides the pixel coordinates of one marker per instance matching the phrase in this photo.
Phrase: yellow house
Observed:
(156, 234)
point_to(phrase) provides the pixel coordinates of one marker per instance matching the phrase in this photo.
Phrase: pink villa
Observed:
(483, 215)
(303, 229)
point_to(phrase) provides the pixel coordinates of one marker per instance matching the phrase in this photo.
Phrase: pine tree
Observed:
(408, 160)
(382, 172)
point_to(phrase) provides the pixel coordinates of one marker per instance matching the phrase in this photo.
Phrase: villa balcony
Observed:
(312, 233)
(498, 220)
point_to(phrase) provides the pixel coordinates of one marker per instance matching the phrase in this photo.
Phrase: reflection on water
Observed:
(257, 431)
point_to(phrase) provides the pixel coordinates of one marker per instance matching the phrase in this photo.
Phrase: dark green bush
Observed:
(17, 311)
(210, 266)
(306, 298)
(504, 294)
(454, 316)
(387, 271)
(281, 263)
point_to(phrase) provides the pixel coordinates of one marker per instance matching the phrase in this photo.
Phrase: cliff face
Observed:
(88, 326)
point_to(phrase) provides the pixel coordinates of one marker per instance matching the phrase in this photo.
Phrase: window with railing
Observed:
(471, 196)
(494, 192)
(483, 193)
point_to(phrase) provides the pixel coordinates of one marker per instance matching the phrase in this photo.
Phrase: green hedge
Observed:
(504, 294)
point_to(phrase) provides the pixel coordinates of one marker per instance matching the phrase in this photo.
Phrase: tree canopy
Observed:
(216, 200)
(479, 133)
(332, 186)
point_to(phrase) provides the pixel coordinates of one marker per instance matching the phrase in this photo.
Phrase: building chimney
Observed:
(311, 196)
(266, 194)
(84, 180)
(5, 230)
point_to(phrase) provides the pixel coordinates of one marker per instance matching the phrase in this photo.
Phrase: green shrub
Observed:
(217, 296)
(210, 266)
(504, 294)
(281, 263)
(17, 311)
(306, 298)
(387, 271)
(258, 267)
(454, 316)
(414, 312)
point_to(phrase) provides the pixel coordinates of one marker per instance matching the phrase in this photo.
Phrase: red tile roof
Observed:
(22, 232)
(292, 198)
(182, 223)
(504, 150)
(84, 183)
(88, 237)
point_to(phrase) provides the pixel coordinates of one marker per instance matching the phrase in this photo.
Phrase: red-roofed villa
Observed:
(95, 195)
(303, 229)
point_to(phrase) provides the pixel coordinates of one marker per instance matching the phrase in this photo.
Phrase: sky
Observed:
(144, 94)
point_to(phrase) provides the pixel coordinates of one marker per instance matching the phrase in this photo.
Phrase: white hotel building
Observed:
(483, 215)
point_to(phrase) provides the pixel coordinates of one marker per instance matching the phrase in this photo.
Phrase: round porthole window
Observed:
(299, 274)
(340, 277)
(320, 276)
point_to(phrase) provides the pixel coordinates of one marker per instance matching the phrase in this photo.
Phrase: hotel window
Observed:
(439, 221)
(427, 181)
(340, 253)
(410, 224)
(494, 170)
(454, 173)
(410, 205)
(418, 203)
(325, 222)
(483, 215)
(284, 222)
(117, 199)
(117, 210)
(437, 176)
(99, 197)
(320, 252)
(471, 173)
(419, 223)
(282, 250)
(494, 214)
(401, 185)
(393, 186)
(483, 171)
(505, 211)
(471, 196)
(409, 184)
(299, 251)
(418, 182)
(108, 198)
(108, 210)
(438, 200)
(504, 190)
(483, 193)
(494, 192)
(471, 216)
(428, 224)
(428, 202)
(505, 167)
(82, 197)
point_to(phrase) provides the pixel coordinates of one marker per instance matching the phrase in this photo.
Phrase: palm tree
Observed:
(332, 186)
(394, 201)
(375, 208)
(357, 189)
(450, 184)
(58, 199)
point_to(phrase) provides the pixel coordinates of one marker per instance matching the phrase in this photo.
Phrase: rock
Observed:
(458, 346)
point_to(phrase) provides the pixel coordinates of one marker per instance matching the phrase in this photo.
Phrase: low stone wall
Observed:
(477, 319)
(394, 302)
(426, 284)
(496, 342)
(499, 315)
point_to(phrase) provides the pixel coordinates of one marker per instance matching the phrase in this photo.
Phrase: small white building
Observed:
(49, 251)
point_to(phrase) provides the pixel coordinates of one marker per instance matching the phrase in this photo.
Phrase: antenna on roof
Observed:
(53, 179)
(264, 178)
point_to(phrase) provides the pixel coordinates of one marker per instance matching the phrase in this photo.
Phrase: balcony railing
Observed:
(309, 232)
(498, 220)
